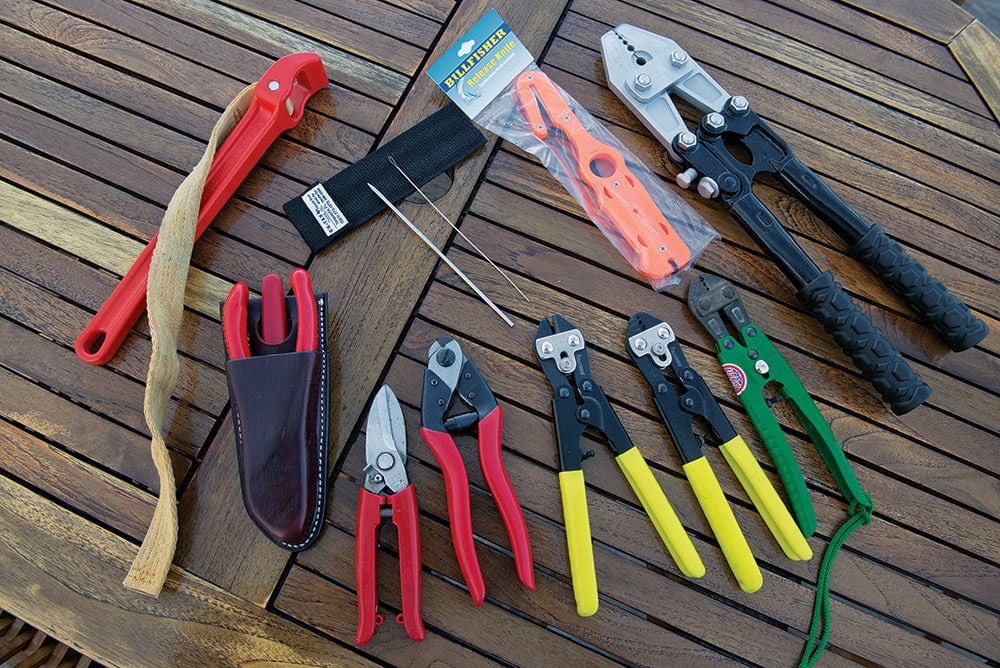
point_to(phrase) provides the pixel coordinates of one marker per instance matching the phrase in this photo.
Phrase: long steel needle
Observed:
(455, 227)
(416, 230)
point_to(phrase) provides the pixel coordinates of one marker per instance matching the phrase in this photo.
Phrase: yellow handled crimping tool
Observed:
(683, 396)
(578, 402)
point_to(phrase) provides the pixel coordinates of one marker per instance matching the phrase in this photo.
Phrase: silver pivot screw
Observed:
(678, 58)
(687, 177)
(708, 188)
(714, 122)
(643, 81)
(738, 104)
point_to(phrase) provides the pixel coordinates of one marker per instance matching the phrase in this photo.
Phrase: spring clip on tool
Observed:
(752, 363)
(278, 104)
(615, 195)
(644, 69)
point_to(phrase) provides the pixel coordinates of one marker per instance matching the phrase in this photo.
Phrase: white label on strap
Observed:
(324, 209)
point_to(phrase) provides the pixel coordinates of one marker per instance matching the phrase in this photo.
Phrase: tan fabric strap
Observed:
(165, 305)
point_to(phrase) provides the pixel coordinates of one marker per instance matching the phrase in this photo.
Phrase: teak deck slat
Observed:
(106, 105)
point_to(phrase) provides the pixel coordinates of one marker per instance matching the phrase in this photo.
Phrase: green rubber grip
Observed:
(660, 512)
(766, 500)
(578, 541)
(749, 387)
(727, 531)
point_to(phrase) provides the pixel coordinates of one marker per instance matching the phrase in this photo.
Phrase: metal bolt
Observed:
(761, 367)
(753, 354)
(687, 177)
(468, 375)
(663, 333)
(661, 388)
(751, 331)
(445, 357)
(587, 386)
(273, 85)
(659, 348)
(434, 382)
(472, 395)
(640, 344)
(563, 393)
(727, 344)
(573, 340)
(385, 461)
(738, 104)
(708, 188)
(689, 402)
(546, 348)
(584, 414)
(643, 81)
(566, 364)
(714, 122)
(441, 402)
(678, 57)
(686, 141)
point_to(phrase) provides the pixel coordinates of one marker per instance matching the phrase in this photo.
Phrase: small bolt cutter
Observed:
(682, 396)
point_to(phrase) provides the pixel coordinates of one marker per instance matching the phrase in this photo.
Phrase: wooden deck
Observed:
(105, 105)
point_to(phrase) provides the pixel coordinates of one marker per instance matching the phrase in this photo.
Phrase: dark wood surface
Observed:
(106, 105)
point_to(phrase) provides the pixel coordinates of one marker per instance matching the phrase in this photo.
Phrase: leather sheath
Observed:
(280, 413)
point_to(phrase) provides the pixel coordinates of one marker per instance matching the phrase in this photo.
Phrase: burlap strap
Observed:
(165, 304)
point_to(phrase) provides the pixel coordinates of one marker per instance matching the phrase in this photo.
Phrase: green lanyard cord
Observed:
(860, 514)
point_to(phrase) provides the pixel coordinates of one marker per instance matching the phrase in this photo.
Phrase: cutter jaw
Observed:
(385, 445)
(644, 69)
(451, 374)
(714, 302)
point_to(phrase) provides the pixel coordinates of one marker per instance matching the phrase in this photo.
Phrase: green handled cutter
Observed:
(752, 363)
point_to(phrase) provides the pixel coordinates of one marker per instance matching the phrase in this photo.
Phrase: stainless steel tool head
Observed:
(385, 445)
(644, 69)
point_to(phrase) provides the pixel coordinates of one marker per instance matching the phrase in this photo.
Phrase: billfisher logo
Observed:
(736, 377)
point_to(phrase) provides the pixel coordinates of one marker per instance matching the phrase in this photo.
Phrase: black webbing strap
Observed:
(329, 210)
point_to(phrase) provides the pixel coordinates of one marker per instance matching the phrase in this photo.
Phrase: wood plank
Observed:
(192, 621)
(894, 37)
(977, 50)
(940, 20)
(874, 56)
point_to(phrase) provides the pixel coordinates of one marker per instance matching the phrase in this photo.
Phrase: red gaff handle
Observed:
(365, 542)
(278, 104)
(457, 487)
(490, 431)
(404, 516)
(307, 337)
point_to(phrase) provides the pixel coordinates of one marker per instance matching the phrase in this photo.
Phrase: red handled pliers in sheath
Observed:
(387, 493)
(450, 374)
(273, 329)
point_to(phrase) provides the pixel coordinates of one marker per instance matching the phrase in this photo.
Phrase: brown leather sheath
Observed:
(280, 413)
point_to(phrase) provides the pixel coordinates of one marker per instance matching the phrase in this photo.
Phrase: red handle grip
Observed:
(490, 434)
(365, 541)
(307, 337)
(404, 516)
(457, 487)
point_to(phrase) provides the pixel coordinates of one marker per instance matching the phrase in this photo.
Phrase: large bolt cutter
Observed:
(644, 69)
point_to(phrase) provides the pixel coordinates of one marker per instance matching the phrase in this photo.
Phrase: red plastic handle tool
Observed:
(278, 105)
(234, 321)
(456, 482)
(404, 516)
(273, 317)
(307, 337)
(490, 431)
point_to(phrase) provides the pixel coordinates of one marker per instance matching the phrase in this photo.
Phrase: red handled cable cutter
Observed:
(450, 374)
(387, 493)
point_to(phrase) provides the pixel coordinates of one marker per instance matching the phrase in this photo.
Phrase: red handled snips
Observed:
(387, 493)
(274, 330)
(450, 374)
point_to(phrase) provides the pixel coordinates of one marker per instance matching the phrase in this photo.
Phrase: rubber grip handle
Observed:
(407, 521)
(927, 296)
(490, 435)
(880, 364)
(727, 531)
(456, 482)
(784, 459)
(660, 512)
(365, 542)
(766, 500)
(578, 542)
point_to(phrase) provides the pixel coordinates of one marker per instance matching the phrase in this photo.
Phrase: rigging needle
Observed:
(455, 227)
(430, 244)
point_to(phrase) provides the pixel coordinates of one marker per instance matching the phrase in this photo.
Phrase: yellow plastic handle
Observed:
(724, 526)
(768, 503)
(581, 550)
(660, 512)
